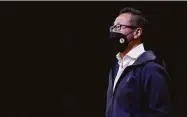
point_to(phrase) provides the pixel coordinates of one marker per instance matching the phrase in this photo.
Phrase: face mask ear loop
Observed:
(129, 34)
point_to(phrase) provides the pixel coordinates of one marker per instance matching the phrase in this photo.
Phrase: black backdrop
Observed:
(57, 56)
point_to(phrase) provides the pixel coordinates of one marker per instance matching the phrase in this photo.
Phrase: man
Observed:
(138, 85)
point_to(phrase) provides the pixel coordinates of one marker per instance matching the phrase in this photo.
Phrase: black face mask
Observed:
(118, 42)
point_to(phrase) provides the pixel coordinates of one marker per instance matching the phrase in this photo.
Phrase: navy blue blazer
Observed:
(141, 91)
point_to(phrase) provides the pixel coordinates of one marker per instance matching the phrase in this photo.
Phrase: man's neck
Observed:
(131, 45)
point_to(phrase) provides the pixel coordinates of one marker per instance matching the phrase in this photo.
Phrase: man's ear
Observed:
(137, 33)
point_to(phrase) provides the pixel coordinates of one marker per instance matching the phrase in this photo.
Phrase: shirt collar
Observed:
(134, 52)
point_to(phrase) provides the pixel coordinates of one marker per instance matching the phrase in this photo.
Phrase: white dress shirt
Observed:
(128, 60)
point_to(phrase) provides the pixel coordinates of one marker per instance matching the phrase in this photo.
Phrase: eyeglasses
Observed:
(118, 27)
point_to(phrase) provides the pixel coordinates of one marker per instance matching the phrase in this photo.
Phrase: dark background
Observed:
(57, 56)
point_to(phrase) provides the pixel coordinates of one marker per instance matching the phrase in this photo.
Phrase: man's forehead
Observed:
(123, 18)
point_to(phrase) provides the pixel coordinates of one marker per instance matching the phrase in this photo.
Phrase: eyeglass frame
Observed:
(126, 26)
